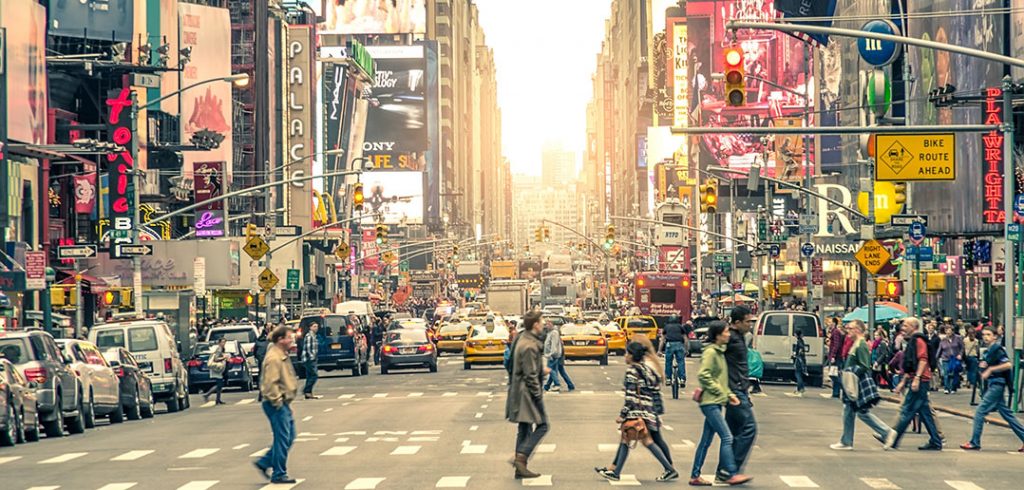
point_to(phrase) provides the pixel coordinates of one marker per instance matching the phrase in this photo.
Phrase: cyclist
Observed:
(674, 348)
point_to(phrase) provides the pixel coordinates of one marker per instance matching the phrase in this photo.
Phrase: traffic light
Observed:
(686, 282)
(249, 299)
(889, 288)
(709, 196)
(110, 299)
(386, 230)
(357, 197)
(539, 234)
(455, 249)
(900, 191)
(250, 230)
(378, 235)
(609, 237)
(735, 78)
(547, 234)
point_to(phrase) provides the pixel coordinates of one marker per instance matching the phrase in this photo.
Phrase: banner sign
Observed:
(85, 193)
(208, 185)
(992, 155)
(792, 10)
(300, 122)
(121, 166)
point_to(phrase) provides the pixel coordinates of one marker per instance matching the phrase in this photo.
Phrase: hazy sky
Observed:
(546, 52)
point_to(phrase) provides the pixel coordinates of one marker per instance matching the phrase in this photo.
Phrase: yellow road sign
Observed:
(915, 157)
(873, 256)
(268, 279)
(256, 248)
(342, 251)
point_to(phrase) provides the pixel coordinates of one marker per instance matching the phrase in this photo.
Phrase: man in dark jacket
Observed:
(525, 403)
(836, 341)
(675, 350)
(740, 418)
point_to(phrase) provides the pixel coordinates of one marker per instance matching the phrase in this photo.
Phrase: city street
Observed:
(447, 430)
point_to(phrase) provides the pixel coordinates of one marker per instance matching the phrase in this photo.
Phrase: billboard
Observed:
(207, 30)
(299, 129)
(397, 196)
(209, 184)
(396, 123)
(25, 68)
(105, 20)
(377, 17)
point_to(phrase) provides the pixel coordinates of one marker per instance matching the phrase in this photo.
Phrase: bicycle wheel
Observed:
(675, 387)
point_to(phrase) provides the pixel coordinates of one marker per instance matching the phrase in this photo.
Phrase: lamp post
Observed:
(239, 80)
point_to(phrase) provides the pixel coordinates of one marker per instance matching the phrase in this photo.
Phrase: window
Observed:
(495, 332)
(806, 324)
(76, 353)
(663, 296)
(142, 339)
(110, 338)
(406, 336)
(580, 330)
(558, 290)
(14, 350)
(777, 325)
(247, 335)
(93, 356)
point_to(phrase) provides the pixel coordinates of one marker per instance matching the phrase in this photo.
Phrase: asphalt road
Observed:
(447, 430)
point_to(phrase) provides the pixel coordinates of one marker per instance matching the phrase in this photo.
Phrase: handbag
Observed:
(851, 383)
(697, 394)
(633, 430)
(832, 371)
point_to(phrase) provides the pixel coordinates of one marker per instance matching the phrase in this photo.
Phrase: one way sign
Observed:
(131, 250)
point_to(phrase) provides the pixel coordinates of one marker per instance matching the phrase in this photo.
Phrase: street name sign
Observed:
(256, 248)
(132, 250)
(267, 279)
(908, 219)
(873, 256)
(76, 251)
(288, 230)
(915, 157)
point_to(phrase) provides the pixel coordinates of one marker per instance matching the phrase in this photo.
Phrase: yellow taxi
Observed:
(451, 337)
(584, 342)
(485, 344)
(638, 324)
(614, 334)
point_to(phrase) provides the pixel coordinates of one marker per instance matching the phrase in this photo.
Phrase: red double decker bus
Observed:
(663, 294)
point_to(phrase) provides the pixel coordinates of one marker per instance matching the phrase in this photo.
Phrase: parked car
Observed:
(100, 386)
(407, 348)
(774, 336)
(19, 420)
(238, 369)
(156, 350)
(342, 345)
(58, 389)
(136, 388)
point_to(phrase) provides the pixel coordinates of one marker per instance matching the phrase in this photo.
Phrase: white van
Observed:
(156, 349)
(362, 309)
(774, 337)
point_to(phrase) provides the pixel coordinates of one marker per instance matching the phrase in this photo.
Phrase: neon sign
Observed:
(210, 224)
(121, 165)
(992, 154)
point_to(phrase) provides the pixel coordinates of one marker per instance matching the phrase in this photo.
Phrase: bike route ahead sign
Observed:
(915, 157)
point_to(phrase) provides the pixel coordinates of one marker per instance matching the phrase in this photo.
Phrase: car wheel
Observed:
(466, 365)
(433, 368)
(135, 410)
(32, 435)
(173, 403)
(89, 414)
(604, 359)
(77, 424)
(55, 427)
(9, 436)
(147, 411)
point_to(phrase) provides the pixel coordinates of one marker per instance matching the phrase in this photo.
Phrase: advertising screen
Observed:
(396, 123)
(397, 196)
(96, 19)
(376, 17)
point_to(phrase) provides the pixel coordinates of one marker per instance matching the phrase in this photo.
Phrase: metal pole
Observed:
(79, 314)
(807, 167)
(848, 130)
(1009, 171)
(868, 182)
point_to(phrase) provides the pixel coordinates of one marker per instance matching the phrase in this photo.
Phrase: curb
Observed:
(952, 411)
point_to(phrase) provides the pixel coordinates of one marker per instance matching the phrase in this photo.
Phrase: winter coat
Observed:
(525, 401)
(642, 388)
(714, 376)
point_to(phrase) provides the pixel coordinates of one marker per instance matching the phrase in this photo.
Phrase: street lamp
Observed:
(240, 80)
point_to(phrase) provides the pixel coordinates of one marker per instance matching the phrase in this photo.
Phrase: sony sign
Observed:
(300, 120)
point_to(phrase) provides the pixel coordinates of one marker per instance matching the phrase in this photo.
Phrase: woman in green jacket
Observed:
(715, 393)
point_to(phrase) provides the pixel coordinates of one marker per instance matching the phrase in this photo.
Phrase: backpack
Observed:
(910, 358)
(755, 364)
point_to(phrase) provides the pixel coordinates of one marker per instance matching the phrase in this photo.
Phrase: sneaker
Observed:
(841, 447)
(283, 480)
(556, 388)
(930, 447)
(739, 479)
(670, 475)
(967, 446)
(945, 391)
(1021, 450)
(699, 482)
(607, 474)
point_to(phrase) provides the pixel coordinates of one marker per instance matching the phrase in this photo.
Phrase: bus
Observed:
(663, 294)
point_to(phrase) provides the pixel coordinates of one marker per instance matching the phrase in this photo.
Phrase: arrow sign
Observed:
(76, 251)
(132, 250)
(908, 219)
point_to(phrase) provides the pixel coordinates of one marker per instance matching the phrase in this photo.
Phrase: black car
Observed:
(407, 348)
(19, 420)
(136, 388)
(237, 368)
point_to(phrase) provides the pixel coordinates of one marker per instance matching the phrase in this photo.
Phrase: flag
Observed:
(793, 10)
(85, 193)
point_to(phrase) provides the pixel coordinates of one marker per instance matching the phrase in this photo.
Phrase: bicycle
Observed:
(675, 384)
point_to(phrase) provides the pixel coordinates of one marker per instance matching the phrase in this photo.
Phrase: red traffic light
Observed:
(733, 57)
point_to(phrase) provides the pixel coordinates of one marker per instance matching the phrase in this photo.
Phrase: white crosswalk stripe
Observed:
(414, 395)
(240, 446)
(880, 483)
(546, 448)
(52, 487)
(8, 459)
(607, 448)
(540, 481)
(963, 485)
(63, 458)
(363, 484)
(208, 404)
(132, 455)
(346, 396)
(406, 450)
(449, 393)
(199, 453)
(798, 481)
(282, 486)
(199, 485)
(338, 451)
(452, 482)
(380, 395)
(260, 453)
(474, 449)
(626, 481)
(246, 401)
(118, 486)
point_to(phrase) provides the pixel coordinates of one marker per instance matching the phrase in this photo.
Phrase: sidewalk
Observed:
(958, 404)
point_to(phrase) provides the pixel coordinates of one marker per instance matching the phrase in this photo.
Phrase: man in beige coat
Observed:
(525, 403)
(278, 385)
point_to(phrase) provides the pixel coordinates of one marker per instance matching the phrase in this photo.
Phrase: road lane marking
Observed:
(607, 448)
(540, 481)
(62, 458)
(474, 427)
(414, 395)
(54, 487)
(391, 433)
(311, 434)
(798, 481)
(626, 481)
(406, 450)
(363, 484)
(380, 395)
(199, 485)
(8, 459)
(338, 451)
(132, 455)
(306, 439)
(425, 433)
(479, 415)
(381, 439)
(351, 433)
(307, 418)
(208, 404)
(240, 446)
(424, 439)
(880, 483)
(483, 393)
(341, 439)
(825, 395)
(484, 405)
(245, 402)
(260, 453)
(282, 486)
(452, 482)
(587, 392)
(963, 485)
(449, 393)
(118, 486)
(328, 410)
(346, 396)
(199, 453)
(546, 448)
(346, 404)
(667, 427)
(474, 449)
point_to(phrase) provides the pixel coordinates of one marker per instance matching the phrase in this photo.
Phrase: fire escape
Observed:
(243, 58)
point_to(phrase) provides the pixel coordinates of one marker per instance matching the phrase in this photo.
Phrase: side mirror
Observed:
(114, 364)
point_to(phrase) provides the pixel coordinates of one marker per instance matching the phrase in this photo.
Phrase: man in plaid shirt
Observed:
(310, 348)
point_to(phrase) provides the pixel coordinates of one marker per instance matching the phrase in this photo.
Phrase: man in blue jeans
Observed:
(997, 366)
(554, 356)
(310, 350)
(675, 350)
(740, 418)
(279, 386)
(917, 368)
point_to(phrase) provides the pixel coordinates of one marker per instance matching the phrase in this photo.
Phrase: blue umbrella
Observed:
(883, 313)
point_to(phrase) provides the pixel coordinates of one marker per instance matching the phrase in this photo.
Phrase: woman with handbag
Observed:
(712, 395)
(640, 417)
(218, 366)
(860, 392)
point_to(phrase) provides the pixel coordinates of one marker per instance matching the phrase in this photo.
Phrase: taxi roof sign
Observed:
(915, 157)
(873, 256)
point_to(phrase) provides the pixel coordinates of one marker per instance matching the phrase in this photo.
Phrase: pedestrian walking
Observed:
(916, 367)
(259, 351)
(998, 377)
(799, 357)
(279, 386)
(640, 417)
(740, 418)
(862, 394)
(675, 350)
(836, 339)
(714, 395)
(951, 352)
(525, 403)
(554, 357)
(217, 364)
(972, 356)
(310, 351)
(880, 356)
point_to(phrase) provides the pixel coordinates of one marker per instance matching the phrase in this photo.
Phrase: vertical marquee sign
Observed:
(992, 155)
(209, 185)
(121, 165)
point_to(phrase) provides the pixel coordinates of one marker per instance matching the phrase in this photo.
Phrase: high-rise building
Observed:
(558, 165)
(536, 200)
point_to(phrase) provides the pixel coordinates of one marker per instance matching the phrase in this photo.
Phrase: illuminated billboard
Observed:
(396, 122)
(396, 196)
(374, 17)
(25, 66)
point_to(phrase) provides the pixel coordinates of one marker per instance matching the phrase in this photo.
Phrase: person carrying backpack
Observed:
(996, 372)
(918, 358)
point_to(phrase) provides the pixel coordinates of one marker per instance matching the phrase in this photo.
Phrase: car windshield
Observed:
(556, 320)
(490, 332)
(455, 328)
(330, 325)
(241, 335)
(406, 337)
(15, 350)
(576, 329)
(106, 339)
